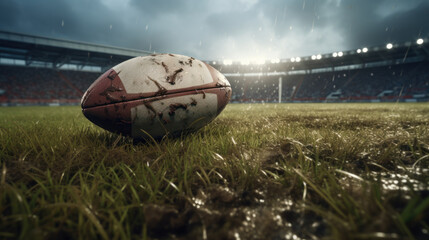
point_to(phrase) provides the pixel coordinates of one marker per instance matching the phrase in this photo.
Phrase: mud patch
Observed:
(112, 75)
(107, 93)
(161, 89)
(149, 106)
(218, 212)
(175, 106)
(165, 67)
(172, 78)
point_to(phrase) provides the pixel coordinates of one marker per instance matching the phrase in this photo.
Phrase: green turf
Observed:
(259, 171)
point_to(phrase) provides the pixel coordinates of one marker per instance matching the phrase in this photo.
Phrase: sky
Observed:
(223, 29)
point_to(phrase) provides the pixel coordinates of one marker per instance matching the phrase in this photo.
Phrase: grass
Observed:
(259, 171)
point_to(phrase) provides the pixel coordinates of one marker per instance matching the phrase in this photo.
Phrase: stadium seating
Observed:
(42, 85)
(387, 83)
(19, 84)
(254, 89)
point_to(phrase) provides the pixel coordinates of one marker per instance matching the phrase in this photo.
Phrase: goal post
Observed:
(280, 89)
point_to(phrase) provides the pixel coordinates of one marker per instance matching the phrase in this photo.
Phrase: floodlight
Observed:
(275, 60)
(318, 57)
(260, 61)
(364, 49)
(389, 46)
(313, 57)
(340, 54)
(292, 59)
(334, 54)
(298, 59)
(227, 62)
(245, 62)
(359, 50)
(420, 41)
(214, 62)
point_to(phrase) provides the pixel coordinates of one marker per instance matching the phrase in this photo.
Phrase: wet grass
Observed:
(272, 171)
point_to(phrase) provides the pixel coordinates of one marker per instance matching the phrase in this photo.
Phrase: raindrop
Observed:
(110, 26)
(312, 26)
(237, 236)
(406, 54)
(147, 27)
(62, 23)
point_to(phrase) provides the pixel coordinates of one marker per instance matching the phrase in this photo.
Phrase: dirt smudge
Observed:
(156, 62)
(112, 75)
(161, 89)
(165, 67)
(149, 106)
(172, 78)
(173, 107)
(107, 93)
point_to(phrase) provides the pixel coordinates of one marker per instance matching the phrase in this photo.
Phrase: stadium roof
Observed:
(365, 57)
(56, 52)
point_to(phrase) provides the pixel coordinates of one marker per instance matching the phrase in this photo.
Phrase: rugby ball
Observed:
(156, 95)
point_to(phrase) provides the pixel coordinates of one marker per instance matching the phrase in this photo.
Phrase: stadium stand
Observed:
(254, 89)
(36, 70)
(403, 81)
(27, 85)
(387, 83)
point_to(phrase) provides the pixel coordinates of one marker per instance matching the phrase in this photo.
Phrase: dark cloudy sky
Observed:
(217, 29)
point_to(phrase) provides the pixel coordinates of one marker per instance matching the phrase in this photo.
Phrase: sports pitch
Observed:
(258, 171)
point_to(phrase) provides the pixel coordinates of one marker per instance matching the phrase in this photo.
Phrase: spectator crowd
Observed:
(41, 85)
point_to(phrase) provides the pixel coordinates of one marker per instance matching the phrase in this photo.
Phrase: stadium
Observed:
(32, 65)
(326, 145)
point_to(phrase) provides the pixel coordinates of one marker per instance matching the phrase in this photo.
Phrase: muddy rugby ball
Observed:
(157, 95)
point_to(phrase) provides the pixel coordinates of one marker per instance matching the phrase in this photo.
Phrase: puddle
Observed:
(219, 213)
(274, 211)
(404, 179)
